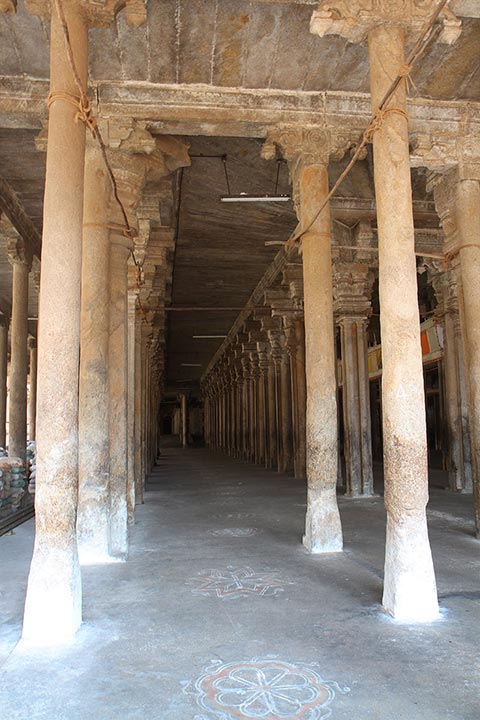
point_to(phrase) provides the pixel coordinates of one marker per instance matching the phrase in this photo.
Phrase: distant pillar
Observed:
(352, 289)
(272, 416)
(33, 387)
(308, 152)
(17, 420)
(184, 420)
(301, 391)
(120, 248)
(3, 380)
(93, 515)
(286, 424)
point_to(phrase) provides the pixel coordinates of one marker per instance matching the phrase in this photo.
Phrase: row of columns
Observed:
(20, 375)
(98, 396)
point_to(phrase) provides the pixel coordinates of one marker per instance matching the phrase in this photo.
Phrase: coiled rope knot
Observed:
(378, 120)
(83, 106)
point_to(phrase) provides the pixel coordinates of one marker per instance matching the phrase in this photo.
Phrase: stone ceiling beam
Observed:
(222, 111)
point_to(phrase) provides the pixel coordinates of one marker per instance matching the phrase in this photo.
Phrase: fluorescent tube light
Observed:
(255, 198)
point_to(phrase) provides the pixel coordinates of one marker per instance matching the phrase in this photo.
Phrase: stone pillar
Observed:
(252, 414)
(352, 289)
(120, 248)
(245, 408)
(468, 229)
(272, 416)
(93, 517)
(456, 400)
(286, 423)
(323, 531)
(17, 416)
(183, 401)
(138, 409)
(54, 597)
(262, 402)
(308, 151)
(32, 344)
(296, 354)
(409, 585)
(131, 356)
(3, 379)
(301, 391)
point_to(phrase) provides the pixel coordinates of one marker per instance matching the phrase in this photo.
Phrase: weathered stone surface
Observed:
(409, 586)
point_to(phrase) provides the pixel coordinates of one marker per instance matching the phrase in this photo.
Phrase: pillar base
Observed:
(53, 607)
(410, 592)
(91, 556)
(323, 528)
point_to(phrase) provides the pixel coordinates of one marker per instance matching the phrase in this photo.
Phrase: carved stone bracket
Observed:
(352, 289)
(354, 19)
(304, 147)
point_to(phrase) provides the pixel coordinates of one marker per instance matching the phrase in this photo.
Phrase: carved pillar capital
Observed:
(353, 20)
(304, 147)
(352, 289)
(17, 252)
(443, 152)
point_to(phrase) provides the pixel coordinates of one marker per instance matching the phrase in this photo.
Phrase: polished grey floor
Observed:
(220, 614)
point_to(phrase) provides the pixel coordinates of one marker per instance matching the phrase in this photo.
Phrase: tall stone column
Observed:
(32, 345)
(301, 391)
(262, 401)
(138, 409)
(409, 586)
(456, 400)
(183, 401)
(3, 379)
(308, 151)
(272, 416)
(131, 357)
(93, 517)
(352, 289)
(17, 417)
(468, 224)
(53, 604)
(245, 408)
(286, 421)
(120, 248)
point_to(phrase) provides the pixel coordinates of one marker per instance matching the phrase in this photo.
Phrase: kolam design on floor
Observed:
(234, 532)
(236, 582)
(269, 689)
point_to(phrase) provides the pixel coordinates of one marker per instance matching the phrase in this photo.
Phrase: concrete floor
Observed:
(220, 614)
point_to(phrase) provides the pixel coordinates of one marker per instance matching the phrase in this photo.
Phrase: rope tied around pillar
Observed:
(453, 253)
(426, 36)
(379, 118)
(85, 114)
(83, 106)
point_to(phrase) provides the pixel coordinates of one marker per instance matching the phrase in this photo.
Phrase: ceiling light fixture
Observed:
(208, 337)
(243, 197)
(191, 364)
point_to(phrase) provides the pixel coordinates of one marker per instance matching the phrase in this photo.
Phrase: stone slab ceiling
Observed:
(234, 43)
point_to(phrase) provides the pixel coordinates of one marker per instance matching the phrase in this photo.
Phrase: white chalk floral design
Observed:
(267, 689)
(236, 582)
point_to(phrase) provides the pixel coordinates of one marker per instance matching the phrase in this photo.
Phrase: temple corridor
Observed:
(219, 589)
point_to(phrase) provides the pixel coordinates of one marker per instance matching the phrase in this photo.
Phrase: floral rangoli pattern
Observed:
(267, 689)
(234, 532)
(236, 582)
